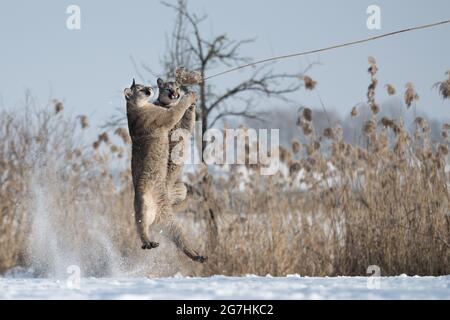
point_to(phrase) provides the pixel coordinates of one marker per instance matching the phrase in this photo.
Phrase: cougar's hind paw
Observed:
(149, 245)
(200, 259)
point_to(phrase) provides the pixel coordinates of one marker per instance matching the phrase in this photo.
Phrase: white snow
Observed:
(221, 287)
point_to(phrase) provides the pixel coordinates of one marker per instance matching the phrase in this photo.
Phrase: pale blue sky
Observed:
(89, 68)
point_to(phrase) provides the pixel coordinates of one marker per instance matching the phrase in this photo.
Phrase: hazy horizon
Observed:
(88, 68)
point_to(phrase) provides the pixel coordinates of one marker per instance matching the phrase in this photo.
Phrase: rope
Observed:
(328, 48)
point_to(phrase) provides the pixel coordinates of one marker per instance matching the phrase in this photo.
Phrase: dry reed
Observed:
(334, 208)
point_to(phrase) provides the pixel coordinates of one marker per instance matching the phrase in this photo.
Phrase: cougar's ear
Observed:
(160, 82)
(133, 84)
(127, 93)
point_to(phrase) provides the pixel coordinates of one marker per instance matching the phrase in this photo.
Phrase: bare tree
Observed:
(190, 48)
(187, 46)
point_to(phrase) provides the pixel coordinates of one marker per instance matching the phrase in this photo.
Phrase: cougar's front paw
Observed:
(200, 259)
(191, 96)
(149, 245)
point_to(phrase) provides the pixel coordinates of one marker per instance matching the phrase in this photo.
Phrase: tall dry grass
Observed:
(333, 209)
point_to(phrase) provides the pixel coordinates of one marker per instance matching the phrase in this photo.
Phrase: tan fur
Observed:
(149, 127)
(177, 189)
(177, 193)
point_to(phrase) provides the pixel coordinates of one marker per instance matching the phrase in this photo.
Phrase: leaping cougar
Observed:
(149, 127)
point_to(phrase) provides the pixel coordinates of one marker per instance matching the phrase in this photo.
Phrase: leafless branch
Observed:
(116, 120)
(188, 47)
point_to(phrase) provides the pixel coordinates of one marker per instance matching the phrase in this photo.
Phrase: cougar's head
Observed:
(138, 94)
(169, 92)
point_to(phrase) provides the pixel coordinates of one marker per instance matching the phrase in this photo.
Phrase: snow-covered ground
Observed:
(221, 287)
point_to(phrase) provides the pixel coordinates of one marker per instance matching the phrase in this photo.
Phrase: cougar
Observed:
(149, 127)
(169, 96)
